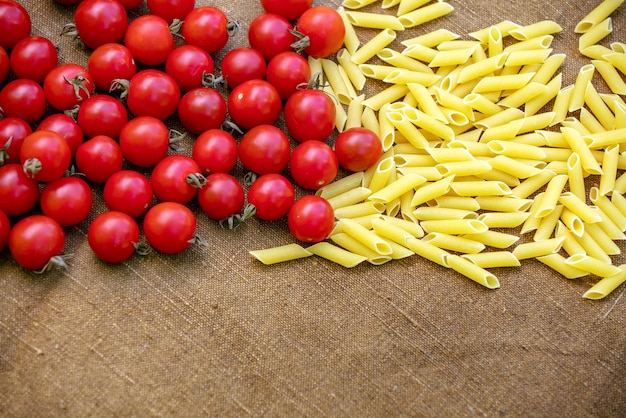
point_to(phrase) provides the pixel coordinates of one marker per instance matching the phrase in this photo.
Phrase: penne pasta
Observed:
(341, 186)
(609, 169)
(534, 30)
(536, 249)
(336, 81)
(502, 82)
(374, 20)
(454, 243)
(578, 145)
(575, 176)
(503, 219)
(503, 204)
(595, 34)
(472, 271)
(350, 39)
(597, 15)
(357, 4)
(480, 188)
(395, 189)
(431, 191)
(388, 95)
(598, 108)
(494, 239)
(431, 39)
(336, 254)
(585, 75)
(611, 76)
(428, 251)
(349, 197)
(557, 263)
(365, 236)
(355, 75)
(373, 46)
(493, 259)
(454, 226)
(280, 254)
(400, 60)
(551, 195)
(355, 246)
(592, 265)
(355, 112)
(425, 14)
(606, 206)
(359, 209)
(606, 285)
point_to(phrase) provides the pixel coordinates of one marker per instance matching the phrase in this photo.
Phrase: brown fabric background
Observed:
(212, 332)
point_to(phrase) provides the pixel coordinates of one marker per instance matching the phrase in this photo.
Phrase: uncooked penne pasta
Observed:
(409, 131)
(575, 176)
(465, 168)
(551, 91)
(492, 259)
(534, 30)
(454, 226)
(373, 46)
(481, 104)
(557, 263)
(359, 209)
(425, 101)
(365, 236)
(503, 204)
(551, 196)
(341, 186)
(494, 41)
(406, 6)
(395, 189)
(349, 197)
(605, 204)
(480, 188)
(431, 39)
(336, 81)
(532, 184)
(411, 227)
(578, 145)
(388, 95)
(606, 285)
(381, 174)
(451, 57)
(592, 265)
(354, 112)
(482, 68)
(428, 251)
(356, 76)
(597, 15)
(503, 219)
(504, 26)
(434, 213)
(585, 75)
(454, 243)
(336, 254)
(357, 4)
(472, 271)
(280, 254)
(609, 169)
(374, 20)
(595, 34)
(516, 150)
(404, 76)
(390, 231)
(378, 72)
(598, 108)
(495, 239)
(431, 191)
(425, 14)
(502, 82)
(611, 76)
(527, 57)
(399, 60)
(561, 104)
(513, 166)
(353, 245)
(429, 124)
(536, 249)
(547, 225)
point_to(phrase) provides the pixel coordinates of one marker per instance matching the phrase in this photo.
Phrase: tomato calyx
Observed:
(58, 261)
(232, 27)
(142, 248)
(4, 151)
(302, 41)
(196, 180)
(32, 166)
(174, 138)
(213, 81)
(69, 29)
(229, 126)
(175, 28)
(122, 85)
(198, 240)
(233, 221)
(73, 112)
(249, 178)
(78, 84)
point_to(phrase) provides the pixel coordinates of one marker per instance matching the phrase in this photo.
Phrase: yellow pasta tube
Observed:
(610, 75)
(411, 227)
(420, 52)
(482, 68)
(513, 166)
(355, 75)
(537, 248)
(465, 168)
(449, 100)
(480, 103)
(606, 285)
(454, 243)
(381, 174)
(354, 113)
(547, 225)
(595, 34)
(404, 76)
(407, 129)
(386, 4)
(502, 82)
(609, 169)
(516, 150)
(388, 95)
(431, 39)
(451, 57)
(395, 189)
(494, 41)
(472, 271)
(425, 14)
(390, 231)
(359, 209)
(503, 219)
(357, 4)
(337, 83)
(585, 75)
(500, 118)
(434, 213)
(532, 184)
(576, 177)
(378, 72)
(342, 185)
(603, 240)
(492, 259)
(608, 207)
(428, 251)
(280, 254)
(592, 265)
(527, 57)
(494, 239)
(551, 195)
(533, 43)
(503, 204)
(351, 39)
(504, 27)
(336, 254)
(429, 124)
(561, 104)
(551, 90)
(599, 109)
(349, 197)
(373, 46)
(425, 101)
(374, 20)
(534, 30)
(399, 60)
(578, 145)
(369, 120)
(353, 245)
(431, 191)
(573, 222)
(406, 6)
(597, 15)
(523, 95)
(557, 263)
(454, 226)
(591, 247)
(570, 241)
(549, 68)
(618, 60)
(365, 236)
(480, 188)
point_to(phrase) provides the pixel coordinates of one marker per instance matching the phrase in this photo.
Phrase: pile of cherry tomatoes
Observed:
(66, 127)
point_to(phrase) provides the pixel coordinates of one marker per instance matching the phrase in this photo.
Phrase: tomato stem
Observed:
(78, 84)
(54, 262)
(4, 151)
(120, 84)
(73, 112)
(70, 30)
(302, 41)
(229, 125)
(32, 166)
(232, 27)
(142, 248)
(198, 240)
(196, 180)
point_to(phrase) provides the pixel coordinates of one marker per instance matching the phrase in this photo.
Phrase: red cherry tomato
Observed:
(149, 39)
(99, 158)
(253, 103)
(15, 23)
(358, 149)
(270, 34)
(5, 65)
(287, 72)
(12, 134)
(99, 22)
(169, 227)
(18, 192)
(33, 57)
(188, 65)
(264, 149)
(67, 85)
(215, 151)
(176, 178)
(24, 99)
(272, 195)
(45, 155)
(243, 64)
(129, 192)
(202, 109)
(323, 31)
(206, 27)
(310, 115)
(289, 9)
(64, 126)
(313, 164)
(153, 93)
(35, 240)
(102, 115)
(109, 62)
(112, 236)
(5, 229)
(311, 219)
(144, 141)
(221, 197)
(131, 4)
(67, 200)
(171, 9)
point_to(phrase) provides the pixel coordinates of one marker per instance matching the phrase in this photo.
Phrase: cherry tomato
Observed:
(310, 115)
(45, 155)
(188, 65)
(272, 195)
(169, 227)
(144, 141)
(5, 229)
(129, 192)
(15, 23)
(33, 57)
(289, 9)
(287, 72)
(149, 39)
(67, 200)
(24, 99)
(323, 31)
(313, 164)
(100, 22)
(68, 2)
(12, 134)
(102, 115)
(5, 65)
(270, 34)
(202, 109)
(112, 236)
(358, 148)
(215, 151)
(109, 62)
(153, 93)
(253, 103)
(130, 4)
(171, 9)
(176, 178)
(221, 197)
(64, 126)
(264, 149)
(311, 219)
(206, 27)
(67, 85)
(18, 192)
(99, 158)
(243, 64)
(35, 240)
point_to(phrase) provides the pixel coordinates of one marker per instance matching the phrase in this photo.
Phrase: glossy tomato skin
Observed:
(310, 115)
(102, 114)
(215, 151)
(45, 155)
(149, 39)
(34, 240)
(5, 65)
(202, 109)
(67, 200)
(207, 28)
(358, 148)
(169, 227)
(253, 103)
(130, 4)
(64, 126)
(288, 71)
(289, 9)
(243, 64)
(33, 57)
(144, 141)
(99, 22)
(128, 191)
(311, 219)
(272, 195)
(153, 93)
(15, 23)
(24, 99)
(67, 85)
(313, 164)
(222, 196)
(171, 9)
(270, 34)
(324, 28)
(5, 229)
(109, 62)
(15, 129)
(176, 178)
(99, 158)
(112, 236)
(264, 149)
(188, 64)
(18, 192)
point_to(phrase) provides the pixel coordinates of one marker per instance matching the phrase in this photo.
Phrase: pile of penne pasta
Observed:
(473, 160)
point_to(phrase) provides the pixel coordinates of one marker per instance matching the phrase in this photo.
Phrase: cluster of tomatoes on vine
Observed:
(107, 122)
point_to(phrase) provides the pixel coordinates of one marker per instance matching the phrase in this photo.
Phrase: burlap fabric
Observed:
(212, 332)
